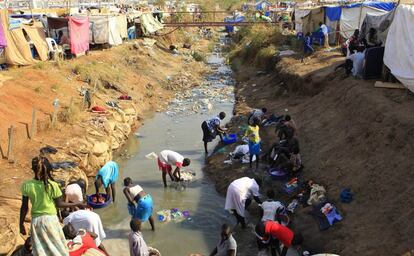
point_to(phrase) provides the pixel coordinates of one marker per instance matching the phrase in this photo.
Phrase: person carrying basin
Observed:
(211, 128)
(166, 160)
(239, 196)
(140, 204)
(45, 195)
(106, 177)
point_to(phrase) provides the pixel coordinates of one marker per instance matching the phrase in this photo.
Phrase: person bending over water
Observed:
(45, 196)
(107, 176)
(169, 158)
(211, 128)
(140, 205)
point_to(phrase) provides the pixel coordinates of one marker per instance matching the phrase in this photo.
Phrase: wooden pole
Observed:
(34, 125)
(10, 147)
(55, 109)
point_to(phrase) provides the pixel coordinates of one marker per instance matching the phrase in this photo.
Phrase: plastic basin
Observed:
(98, 205)
(230, 139)
(277, 174)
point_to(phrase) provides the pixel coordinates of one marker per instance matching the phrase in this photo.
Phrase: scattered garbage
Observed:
(173, 214)
(292, 206)
(346, 195)
(151, 156)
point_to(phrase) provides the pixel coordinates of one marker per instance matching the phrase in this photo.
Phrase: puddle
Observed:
(179, 129)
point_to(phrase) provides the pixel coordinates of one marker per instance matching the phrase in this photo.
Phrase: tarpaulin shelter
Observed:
(352, 16)
(149, 24)
(17, 51)
(332, 18)
(37, 36)
(107, 29)
(381, 23)
(399, 54)
(78, 31)
(262, 5)
(307, 19)
(79, 34)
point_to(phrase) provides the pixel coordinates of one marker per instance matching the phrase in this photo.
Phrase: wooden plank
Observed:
(380, 84)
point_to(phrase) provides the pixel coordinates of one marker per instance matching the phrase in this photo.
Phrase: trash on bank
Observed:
(173, 214)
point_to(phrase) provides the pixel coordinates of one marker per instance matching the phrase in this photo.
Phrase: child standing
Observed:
(252, 133)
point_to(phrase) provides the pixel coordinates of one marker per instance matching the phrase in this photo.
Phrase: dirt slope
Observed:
(351, 135)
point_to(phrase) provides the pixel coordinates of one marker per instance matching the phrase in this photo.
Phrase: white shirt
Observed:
(135, 190)
(247, 187)
(171, 158)
(241, 149)
(324, 29)
(269, 209)
(73, 193)
(88, 220)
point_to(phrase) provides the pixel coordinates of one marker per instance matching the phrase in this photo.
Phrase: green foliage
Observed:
(197, 56)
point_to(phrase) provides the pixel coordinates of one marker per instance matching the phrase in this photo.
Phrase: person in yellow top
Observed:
(45, 195)
(252, 133)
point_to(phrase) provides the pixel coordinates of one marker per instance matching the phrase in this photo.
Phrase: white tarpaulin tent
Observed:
(353, 17)
(399, 48)
(299, 15)
(149, 24)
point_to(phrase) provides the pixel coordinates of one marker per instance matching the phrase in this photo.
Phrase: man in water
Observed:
(107, 176)
(169, 158)
(211, 128)
(227, 245)
(239, 196)
(140, 205)
(137, 244)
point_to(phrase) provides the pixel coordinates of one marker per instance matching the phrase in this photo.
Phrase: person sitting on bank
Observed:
(44, 193)
(227, 246)
(271, 233)
(81, 242)
(106, 177)
(166, 160)
(371, 39)
(140, 204)
(259, 113)
(239, 196)
(211, 128)
(270, 209)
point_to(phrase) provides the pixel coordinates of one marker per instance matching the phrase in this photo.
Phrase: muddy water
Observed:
(180, 132)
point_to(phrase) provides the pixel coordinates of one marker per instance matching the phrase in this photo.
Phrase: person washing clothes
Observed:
(227, 246)
(89, 221)
(169, 158)
(239, 196)
(252, 133)
(140, 205)
(271, 233)
(259, 113)
(81, 242)
(270, 209)
(106, 177)
(44, 194)
(211, 128)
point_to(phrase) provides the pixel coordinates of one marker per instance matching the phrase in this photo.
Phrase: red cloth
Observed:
(280, 232)
(98, 109)
(164, 167)
(79, 34)
(87, 243)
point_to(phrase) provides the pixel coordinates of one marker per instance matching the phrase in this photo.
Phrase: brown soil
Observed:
(131, 68)
(351, 135)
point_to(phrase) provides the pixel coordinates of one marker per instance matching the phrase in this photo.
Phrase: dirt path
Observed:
(351, 135)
